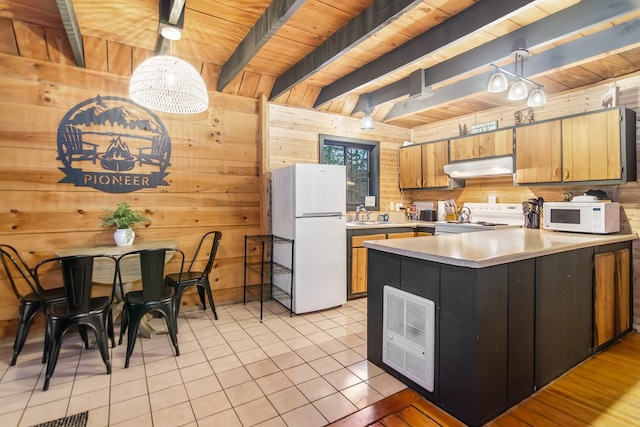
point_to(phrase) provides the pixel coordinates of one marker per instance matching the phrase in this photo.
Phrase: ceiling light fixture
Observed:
(367, 120)
(499, 81)
(169, 84)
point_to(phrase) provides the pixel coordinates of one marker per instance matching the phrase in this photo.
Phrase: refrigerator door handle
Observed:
(322, 215)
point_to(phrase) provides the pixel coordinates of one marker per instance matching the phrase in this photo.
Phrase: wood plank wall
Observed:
(572, 102)
(214, 175)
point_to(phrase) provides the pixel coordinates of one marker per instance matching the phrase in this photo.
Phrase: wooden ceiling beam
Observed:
(70, 22)
(572, 20)
(575, 52)
(273, 18)
(171, 12)
(371, 20)
(463, 24)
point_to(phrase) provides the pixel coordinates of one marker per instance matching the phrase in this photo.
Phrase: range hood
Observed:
(480, 167)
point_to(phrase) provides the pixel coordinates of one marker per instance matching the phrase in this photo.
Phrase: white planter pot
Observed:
(124, 236)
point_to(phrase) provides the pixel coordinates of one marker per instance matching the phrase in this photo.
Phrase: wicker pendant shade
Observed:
(168, 84)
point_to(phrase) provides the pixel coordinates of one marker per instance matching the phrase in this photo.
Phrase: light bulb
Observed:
(497, 83)
(367, 123)
(537, 98)
(518, 91)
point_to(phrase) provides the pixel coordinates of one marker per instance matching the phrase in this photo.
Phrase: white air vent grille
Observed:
(409, 335)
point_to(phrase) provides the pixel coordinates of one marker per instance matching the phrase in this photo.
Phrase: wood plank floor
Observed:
(604, 390)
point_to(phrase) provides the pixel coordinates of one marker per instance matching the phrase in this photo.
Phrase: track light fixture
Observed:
(499, 82)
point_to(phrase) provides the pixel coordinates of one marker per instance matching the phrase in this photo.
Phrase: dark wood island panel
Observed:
(502, 331)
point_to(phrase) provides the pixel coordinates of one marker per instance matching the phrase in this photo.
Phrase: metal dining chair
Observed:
(200, 278)
(153, 297)
(20, 276)
(79, 307)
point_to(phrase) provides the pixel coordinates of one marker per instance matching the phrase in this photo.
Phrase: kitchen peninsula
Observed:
(514, 309)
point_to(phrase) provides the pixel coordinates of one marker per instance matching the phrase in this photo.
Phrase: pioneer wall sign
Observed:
(113, 145)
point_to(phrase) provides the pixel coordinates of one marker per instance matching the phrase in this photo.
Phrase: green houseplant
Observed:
(123, 218)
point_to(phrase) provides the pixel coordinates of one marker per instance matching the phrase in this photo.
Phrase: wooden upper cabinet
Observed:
(434, 157)
(488, 144)
(538, 153)
(591, 147)
(411, 166)
(422, 165)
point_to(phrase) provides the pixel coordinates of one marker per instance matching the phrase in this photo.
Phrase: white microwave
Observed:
(582, 217)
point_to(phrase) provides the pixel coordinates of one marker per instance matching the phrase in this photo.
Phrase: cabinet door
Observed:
(401, 235)
(604, 297)
(611, 293)
(434, 157)
(461, 148)
(489, 144)
(358, 283)
(411, 167)
(591, 147)
(358, 270)
(538, 153)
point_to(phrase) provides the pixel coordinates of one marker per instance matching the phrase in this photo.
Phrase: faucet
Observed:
(359, 209)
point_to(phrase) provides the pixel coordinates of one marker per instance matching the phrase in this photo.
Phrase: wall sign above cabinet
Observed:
(484, 127)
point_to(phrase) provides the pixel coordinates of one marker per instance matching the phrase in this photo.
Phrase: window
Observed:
(362, 159)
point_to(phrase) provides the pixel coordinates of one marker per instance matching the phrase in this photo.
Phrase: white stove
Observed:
(484, 217)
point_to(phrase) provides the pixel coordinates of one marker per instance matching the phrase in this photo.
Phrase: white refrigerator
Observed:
(308, 205)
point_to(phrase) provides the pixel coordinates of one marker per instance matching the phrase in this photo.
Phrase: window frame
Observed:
(374, 163)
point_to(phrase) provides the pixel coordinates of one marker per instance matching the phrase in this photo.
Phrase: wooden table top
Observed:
(116, 250)
(130, 268)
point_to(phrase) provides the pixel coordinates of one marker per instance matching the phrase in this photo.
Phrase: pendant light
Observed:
(367, 120)
(169, 84)
(499, 80)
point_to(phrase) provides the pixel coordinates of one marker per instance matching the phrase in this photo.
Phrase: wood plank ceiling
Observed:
(412, 61)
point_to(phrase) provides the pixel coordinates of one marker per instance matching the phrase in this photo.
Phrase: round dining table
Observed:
(129, 269)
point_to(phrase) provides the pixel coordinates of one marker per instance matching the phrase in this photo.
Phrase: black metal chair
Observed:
(154, 296)
(20, 276)
(200, 278)
(79, 308)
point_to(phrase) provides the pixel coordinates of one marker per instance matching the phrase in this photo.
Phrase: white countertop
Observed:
(487, 248)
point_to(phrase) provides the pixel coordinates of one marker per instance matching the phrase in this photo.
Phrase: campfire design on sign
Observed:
(114, 145)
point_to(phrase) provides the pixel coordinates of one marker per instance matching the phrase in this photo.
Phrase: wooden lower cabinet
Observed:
(611, 305)
(359, 262)
(358, 270)
(401, 235)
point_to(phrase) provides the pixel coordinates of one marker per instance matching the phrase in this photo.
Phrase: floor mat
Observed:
(76, 420)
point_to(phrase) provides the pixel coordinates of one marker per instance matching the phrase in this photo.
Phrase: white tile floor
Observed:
(306, 370)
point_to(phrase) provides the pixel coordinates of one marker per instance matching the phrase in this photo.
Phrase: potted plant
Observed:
(123, 218)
